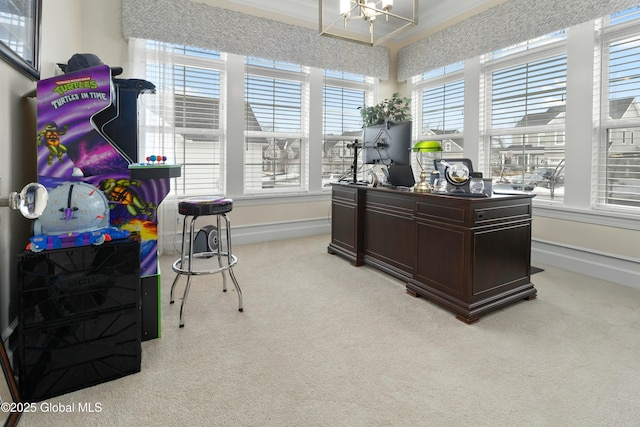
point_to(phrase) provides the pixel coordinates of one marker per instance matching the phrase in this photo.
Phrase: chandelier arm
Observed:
(404, 18)
(323, 30)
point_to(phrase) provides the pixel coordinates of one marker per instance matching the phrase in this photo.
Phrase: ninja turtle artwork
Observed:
(120, 192)
(50, 137)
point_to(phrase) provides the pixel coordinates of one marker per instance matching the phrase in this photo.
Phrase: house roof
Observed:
(541, 119)
(618, 107)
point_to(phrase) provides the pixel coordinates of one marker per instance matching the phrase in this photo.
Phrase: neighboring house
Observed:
(623, 177)
(268, 159)
(534, 150)
(450, 146)
(624, 141)
(337, 156)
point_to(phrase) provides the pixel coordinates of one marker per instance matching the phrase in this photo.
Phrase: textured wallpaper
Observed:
(504, 25)
(200, 25)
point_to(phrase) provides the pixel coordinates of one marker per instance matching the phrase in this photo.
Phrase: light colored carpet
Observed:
(323, 343)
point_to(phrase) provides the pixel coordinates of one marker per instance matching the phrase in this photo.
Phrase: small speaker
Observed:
(206, 240)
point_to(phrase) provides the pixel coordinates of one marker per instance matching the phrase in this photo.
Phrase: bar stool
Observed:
(192, 208)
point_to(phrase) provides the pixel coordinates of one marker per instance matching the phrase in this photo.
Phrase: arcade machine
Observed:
(88, 156)
(89, 279)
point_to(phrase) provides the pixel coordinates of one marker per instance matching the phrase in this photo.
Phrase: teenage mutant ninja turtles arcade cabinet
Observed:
(88, 132)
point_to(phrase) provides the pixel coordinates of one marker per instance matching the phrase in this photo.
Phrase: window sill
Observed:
(588, 216)
(281, 198)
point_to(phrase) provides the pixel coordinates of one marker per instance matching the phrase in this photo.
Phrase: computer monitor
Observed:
(387, 145)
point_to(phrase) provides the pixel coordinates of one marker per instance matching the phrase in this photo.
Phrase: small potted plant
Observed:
(394, 110)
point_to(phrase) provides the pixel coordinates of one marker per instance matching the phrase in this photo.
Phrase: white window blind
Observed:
(443, 115)
(526, 125)
(183, 120)
(619, 149)
(275, 134)
(438, 111)
(343, 94)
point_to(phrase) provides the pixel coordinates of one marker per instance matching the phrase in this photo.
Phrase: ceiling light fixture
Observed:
(367, 12)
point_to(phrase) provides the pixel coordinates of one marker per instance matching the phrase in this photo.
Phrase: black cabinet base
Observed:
(80, 318)
(150, 289)
(67, 357)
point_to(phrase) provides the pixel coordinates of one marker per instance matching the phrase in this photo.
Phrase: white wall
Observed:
(61, 36)
(17, 168)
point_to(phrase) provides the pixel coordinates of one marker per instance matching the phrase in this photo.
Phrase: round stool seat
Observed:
(205, 205)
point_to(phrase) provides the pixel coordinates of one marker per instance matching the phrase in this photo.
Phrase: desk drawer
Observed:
(344, 194)
(487, 215)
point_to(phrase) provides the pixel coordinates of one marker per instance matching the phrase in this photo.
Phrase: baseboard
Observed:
(247, 234)
(609, 267)
(280, 231)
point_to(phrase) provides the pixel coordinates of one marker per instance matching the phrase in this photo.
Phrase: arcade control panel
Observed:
(154, 168)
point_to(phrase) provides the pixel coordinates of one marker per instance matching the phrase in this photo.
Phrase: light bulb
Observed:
(369, 11)
(345, 7)
(387, 5)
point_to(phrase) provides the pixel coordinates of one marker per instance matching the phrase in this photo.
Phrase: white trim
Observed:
(281, 199)
(587, 216)
(604, 266)
(280, 231)
(258, 233)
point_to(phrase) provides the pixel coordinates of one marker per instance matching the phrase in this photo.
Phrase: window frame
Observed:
(521, 56)
(167, 120)
(282, 74)
(367, 87)
(610, 34)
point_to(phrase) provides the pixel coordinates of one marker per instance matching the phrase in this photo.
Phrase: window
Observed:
(342, 95)
(184, 120)
(525, 121)
(275, 129)
(618, 171)
(439, 108)
(20, 35)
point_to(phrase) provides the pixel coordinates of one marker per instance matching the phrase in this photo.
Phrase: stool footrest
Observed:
(178, 265)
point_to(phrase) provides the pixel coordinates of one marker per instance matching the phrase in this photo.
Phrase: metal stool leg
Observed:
(229, 260)
(184, 300)
(189, 269)
(219, 249)
(175, 281)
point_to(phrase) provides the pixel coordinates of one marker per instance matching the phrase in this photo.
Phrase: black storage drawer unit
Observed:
(79, 322)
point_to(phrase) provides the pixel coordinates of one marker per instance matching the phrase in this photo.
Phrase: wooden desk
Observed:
(470, 255)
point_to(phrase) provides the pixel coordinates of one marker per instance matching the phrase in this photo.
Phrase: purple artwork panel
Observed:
(69, 144)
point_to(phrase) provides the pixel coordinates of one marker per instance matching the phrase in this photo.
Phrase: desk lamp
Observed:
(424, 147)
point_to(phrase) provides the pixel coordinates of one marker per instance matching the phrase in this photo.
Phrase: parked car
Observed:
(527, 182)
(550, 175)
